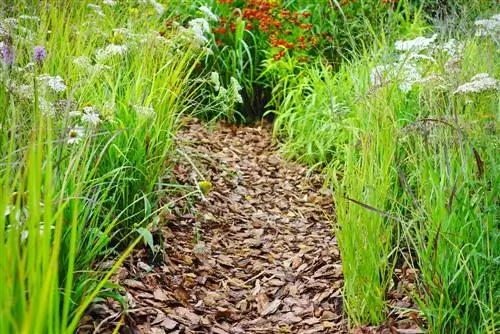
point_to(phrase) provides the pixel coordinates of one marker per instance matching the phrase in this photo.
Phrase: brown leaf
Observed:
(271, 308)
(160, 295)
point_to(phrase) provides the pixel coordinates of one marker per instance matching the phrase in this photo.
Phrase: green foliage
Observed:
(86, 136)
(413, 165)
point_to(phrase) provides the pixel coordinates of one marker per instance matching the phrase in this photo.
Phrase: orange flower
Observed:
(279, 55)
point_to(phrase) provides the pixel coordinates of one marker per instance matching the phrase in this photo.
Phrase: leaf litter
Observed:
(255, 254)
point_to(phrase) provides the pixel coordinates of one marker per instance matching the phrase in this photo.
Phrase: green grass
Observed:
(93, 195)
(414, 173)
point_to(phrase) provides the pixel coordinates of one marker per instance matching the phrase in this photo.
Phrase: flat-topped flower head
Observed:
(479, 83)
(416, 45)
(90, 116)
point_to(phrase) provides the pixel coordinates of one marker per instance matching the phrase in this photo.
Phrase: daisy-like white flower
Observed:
(209, 15)
(480, 83)
(75, 135)
(416, 45)
(90, 116)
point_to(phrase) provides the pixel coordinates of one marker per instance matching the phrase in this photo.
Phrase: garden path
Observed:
(256, 254)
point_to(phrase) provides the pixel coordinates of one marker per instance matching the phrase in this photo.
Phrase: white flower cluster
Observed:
(416, 45)
(232, 93)
(146, 112)
(416, 57)
(479, 83)
(110, 51)
(84, 64)
(91, 116)
(109, 2)
(198, 28)
(96, 8)
(55, 83)
(488, 27)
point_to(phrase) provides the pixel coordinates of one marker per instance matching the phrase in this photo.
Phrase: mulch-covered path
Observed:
(256, 254)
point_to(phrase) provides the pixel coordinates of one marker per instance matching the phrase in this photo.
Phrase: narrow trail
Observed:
(255, 255)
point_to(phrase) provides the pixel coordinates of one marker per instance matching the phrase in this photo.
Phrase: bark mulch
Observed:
(256, 254)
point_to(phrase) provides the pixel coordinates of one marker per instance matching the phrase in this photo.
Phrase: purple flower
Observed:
(7, 52)
(39, 54)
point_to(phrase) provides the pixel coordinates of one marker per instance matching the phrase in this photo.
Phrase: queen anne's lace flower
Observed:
(480, 83)
(110, 51)
(199, 27)
(55, 83)
(90, 116)
(488, 27)
(145, 111)
(416, 45)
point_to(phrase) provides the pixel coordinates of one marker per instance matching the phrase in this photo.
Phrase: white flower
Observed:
(29, 17)
(237, 97)
(415, 56)
(410, 75)
(90, 116)
(415, 45)
(56, 84)
(46, 108)
(208, 13)
(453, 47)
(488, 27)
(84, 64)
(109, 2)
(379, 75)
(406, 73)
(199, 27)
(110, 51)
(481, 82)
(235, 84)
(214, 76)
(75, 114)
(97, 9)
(159, 8)
(145, 111)
(75, 135)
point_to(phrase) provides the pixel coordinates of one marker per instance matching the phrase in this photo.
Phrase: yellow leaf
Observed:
(205, 186)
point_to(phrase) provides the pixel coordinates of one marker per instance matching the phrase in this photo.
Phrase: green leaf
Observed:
(148, 237)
